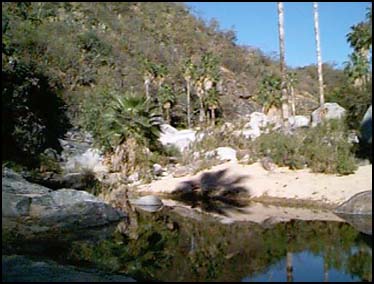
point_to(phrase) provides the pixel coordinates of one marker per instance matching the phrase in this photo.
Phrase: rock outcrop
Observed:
(36, 211)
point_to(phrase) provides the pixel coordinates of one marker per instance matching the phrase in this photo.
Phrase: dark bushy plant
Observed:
(33, 115)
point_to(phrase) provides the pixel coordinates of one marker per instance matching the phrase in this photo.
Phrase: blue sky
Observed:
(256, 24)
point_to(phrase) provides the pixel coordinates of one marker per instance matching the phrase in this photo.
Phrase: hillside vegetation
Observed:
(78, 64)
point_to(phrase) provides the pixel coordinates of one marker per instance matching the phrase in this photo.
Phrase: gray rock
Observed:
(179, 138)
(16, 268)
(14, 183)
(182, 171)
(359, 204)
(134, 177)
(52, 153)
(299, 121)
(148, 203)
(148, 200)
(36, 209)
(157, 169)
(257, 120)
(366, 127)
(326, 112)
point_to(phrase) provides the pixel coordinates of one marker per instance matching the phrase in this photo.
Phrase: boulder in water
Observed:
(359, 204)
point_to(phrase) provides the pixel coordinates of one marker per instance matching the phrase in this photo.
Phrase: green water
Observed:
(165, 246)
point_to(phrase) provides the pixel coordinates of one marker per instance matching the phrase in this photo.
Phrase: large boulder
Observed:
(179, 138)
(33, 210)
(366, 127)
(326, 112)
(359, 204)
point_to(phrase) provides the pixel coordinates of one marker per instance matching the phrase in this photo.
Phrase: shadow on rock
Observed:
(213, 192)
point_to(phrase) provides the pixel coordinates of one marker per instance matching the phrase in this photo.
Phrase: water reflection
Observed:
(169, 247)
(306, 267)
(206, 250)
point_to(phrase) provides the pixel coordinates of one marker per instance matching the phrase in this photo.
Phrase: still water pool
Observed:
(165, 246)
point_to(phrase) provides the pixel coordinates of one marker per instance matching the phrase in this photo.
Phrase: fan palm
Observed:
(128, 127)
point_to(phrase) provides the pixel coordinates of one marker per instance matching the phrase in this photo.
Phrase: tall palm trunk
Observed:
(202, 112)
(284, 98)
(146, 84)
(319, 57)
(188, 104)
(213, 115)
(292, 93)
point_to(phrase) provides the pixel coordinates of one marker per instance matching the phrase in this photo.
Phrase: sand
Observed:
(281, 184)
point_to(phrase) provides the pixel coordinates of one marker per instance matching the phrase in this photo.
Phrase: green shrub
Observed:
(327, 148)
(283, 149)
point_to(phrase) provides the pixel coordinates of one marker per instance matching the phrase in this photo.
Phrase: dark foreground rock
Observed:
(16, 268)
(35, 212)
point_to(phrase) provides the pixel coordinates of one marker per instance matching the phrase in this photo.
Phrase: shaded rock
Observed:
(17, 268)
(326, 112)
(359, 204)
(30, 209)
(268, 164)
(157, 169)
(52, 154)
(14, 183)
(366, 127)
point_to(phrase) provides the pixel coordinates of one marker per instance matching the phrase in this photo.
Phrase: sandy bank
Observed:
(282, 184)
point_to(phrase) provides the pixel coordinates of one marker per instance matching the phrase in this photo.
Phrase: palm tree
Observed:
(189, 74)
(200, 94)
(284, 98)
(208, 77)
(212, 103)
(128, 126)
(319, 58)
(269, 92)
(291, 81)
(167, 98)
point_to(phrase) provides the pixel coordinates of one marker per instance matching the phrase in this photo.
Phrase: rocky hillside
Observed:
(79, 54)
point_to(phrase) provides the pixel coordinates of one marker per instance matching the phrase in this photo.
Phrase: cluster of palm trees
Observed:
(201, 79)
